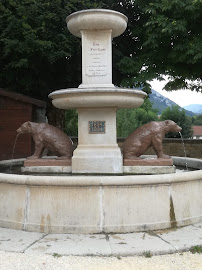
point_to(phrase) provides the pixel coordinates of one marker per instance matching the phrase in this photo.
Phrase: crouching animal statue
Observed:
(47, 136)
(146, 136)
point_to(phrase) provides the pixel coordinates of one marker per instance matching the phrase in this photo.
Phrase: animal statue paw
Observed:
(33, 157)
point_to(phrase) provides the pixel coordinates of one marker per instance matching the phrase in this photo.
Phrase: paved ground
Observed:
(38, 261)
(129, 244)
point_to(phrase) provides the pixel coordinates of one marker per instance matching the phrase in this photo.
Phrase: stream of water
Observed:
(185, 155)
(13, 151)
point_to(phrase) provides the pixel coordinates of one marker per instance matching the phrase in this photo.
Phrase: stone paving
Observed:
(129, 244)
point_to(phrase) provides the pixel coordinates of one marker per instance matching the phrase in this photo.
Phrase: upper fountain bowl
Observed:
(74, 98)
(97, 19)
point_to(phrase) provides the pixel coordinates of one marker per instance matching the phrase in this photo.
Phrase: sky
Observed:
(181, 97)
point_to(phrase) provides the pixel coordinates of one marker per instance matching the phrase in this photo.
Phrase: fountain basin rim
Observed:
(96, 10)
(103, 98)
(96, 90)
(97, 19)
(88, 204)
(96, 180)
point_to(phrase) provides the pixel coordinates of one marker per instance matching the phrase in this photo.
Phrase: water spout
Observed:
(13, 151)
(184, 150)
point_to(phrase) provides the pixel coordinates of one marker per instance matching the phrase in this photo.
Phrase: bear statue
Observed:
(49, 137)
(146, 136)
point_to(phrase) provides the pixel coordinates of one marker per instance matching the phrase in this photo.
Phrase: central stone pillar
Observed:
(96, 58)
(97, 150)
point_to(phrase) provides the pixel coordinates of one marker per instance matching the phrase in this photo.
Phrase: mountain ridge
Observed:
(160, 103)
(195, 108)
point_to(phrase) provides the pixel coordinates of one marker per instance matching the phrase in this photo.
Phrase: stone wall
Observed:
(174, 147)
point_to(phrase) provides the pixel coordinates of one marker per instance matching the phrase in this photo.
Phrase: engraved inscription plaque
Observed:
(96, 64)
(96, 127)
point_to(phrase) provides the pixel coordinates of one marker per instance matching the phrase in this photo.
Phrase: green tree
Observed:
(38, 54)
(71, 123)
(197, 120)
(130, 119)
(163, 38)
(179, 117)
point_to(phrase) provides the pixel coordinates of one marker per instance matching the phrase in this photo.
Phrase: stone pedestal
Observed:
(148, 162)
(47, 165)
(147, 170)
(47, 162)
(97, 150)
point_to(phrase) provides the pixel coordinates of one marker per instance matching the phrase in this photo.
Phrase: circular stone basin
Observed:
(97, 97)
(98, 203)
(97, 19)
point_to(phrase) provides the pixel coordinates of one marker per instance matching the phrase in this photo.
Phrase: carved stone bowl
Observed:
(97, 19)
(97, 97)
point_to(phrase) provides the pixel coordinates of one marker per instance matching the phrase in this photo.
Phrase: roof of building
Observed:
(20, 97)
(197, 130)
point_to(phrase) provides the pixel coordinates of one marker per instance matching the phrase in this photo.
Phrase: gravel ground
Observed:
(21, 261)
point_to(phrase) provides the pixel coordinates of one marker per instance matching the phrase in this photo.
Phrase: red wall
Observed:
(13, 113)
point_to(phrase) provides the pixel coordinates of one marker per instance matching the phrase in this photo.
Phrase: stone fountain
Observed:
(88, 201)
(97, 99)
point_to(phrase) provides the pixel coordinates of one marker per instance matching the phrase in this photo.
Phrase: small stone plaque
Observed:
(96, 127)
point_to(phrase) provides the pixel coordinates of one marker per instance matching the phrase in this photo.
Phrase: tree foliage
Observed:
(71, 123)
(39, 55)
(197, 120)
(163, 38)
(179, 117)
(35, 46)
(174, 36)
(130, 119)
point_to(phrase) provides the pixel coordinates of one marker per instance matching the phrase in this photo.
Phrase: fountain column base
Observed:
(97, 150)
(97, 159)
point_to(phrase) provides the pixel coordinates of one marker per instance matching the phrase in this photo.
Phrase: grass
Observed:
(196, 249)
(147, 254)
(56, 255)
